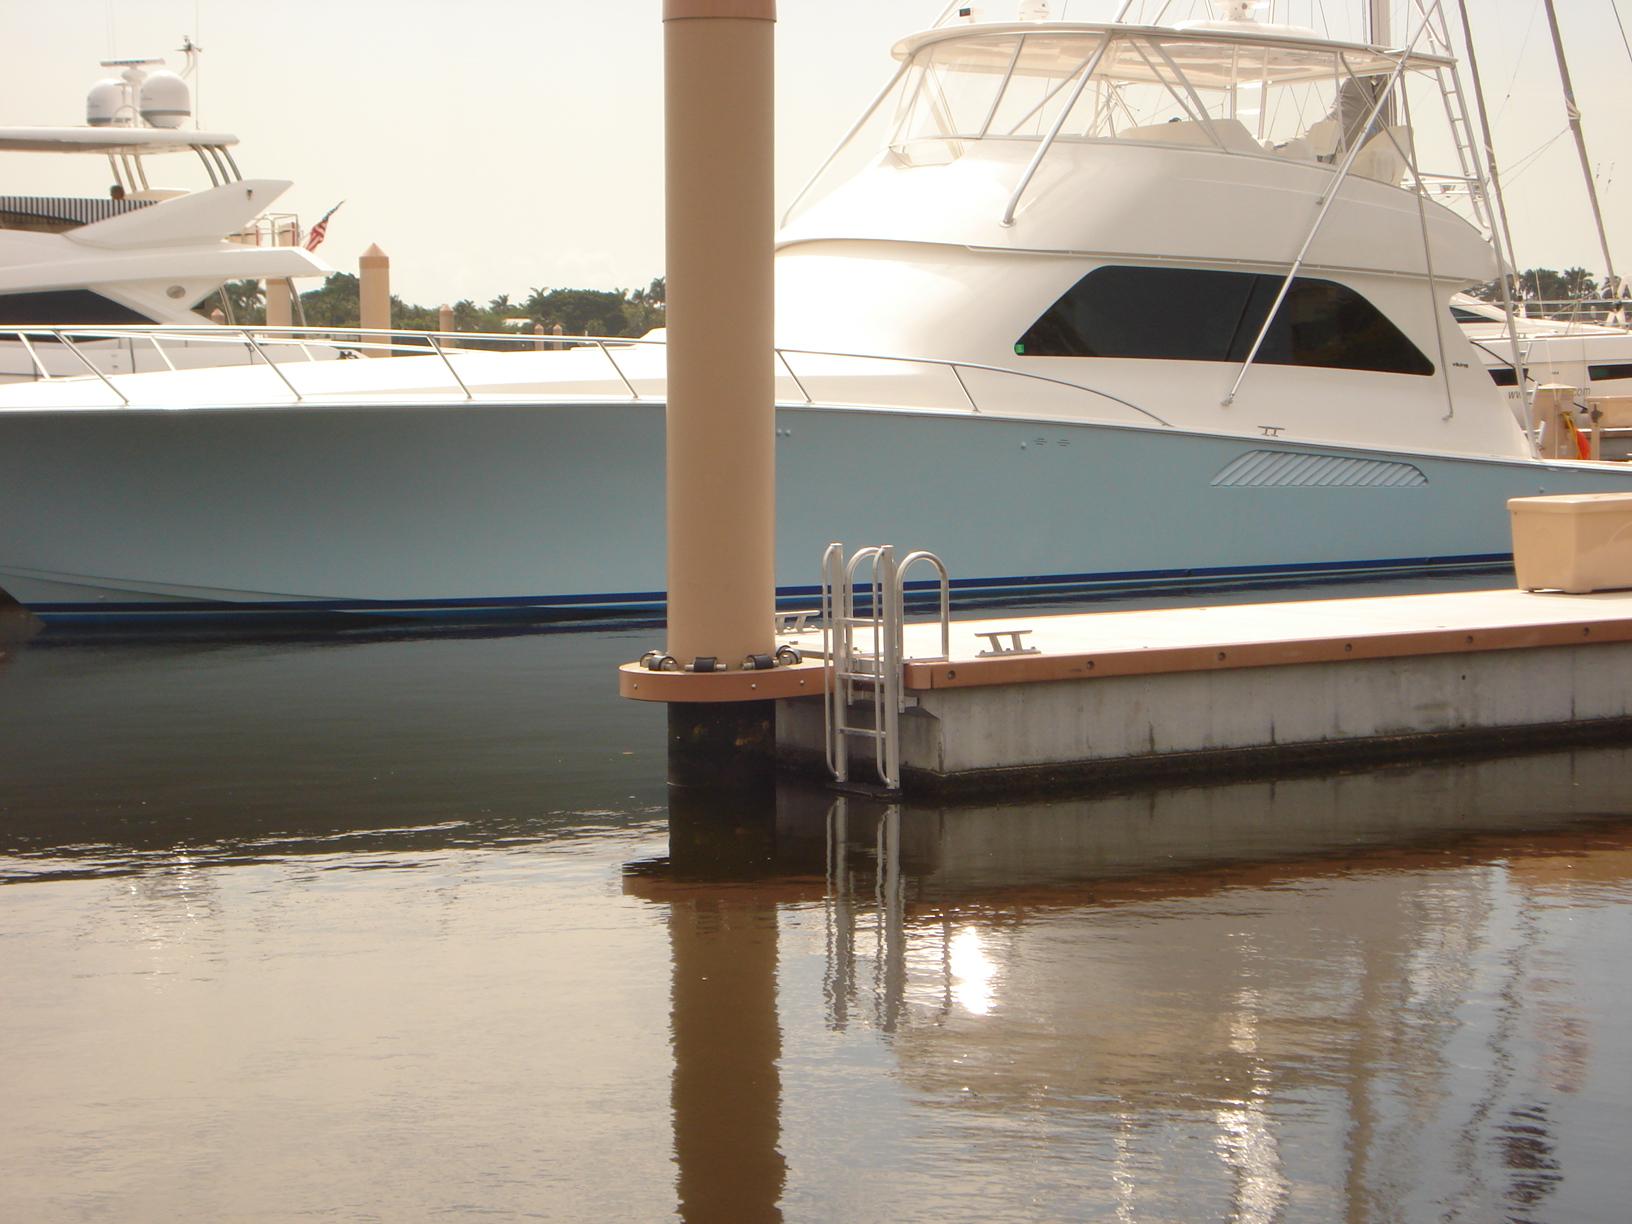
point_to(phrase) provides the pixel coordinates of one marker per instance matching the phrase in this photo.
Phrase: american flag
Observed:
(322, 227)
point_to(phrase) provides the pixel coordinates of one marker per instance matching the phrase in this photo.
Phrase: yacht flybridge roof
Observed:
(110, 140)
(1208, 55)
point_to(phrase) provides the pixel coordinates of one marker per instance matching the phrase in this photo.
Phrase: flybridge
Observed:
(117, 140)
(1230, 87)
(126, 148)
(140, 112)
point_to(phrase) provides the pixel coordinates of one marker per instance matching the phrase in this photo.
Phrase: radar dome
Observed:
(166, 101)
(103, 103)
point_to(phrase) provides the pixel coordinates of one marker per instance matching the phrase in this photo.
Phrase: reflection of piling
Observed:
(726, 1089)
(374, 294)
(721, 389)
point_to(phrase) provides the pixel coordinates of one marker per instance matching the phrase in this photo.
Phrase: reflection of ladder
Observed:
(863, 644)
(845, 901)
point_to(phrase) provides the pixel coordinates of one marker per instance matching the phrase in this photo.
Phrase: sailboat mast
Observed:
(1613, 288)
(1377, 11)
(1380, 32)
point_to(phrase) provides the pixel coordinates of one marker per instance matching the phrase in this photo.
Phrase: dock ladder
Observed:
(863, 641)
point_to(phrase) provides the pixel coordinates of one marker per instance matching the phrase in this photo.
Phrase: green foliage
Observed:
(245, 302)
(580, 312)
(336, 303)
(1546, 285)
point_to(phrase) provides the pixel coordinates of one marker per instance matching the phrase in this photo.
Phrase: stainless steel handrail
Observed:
(613, 361)
(91, 366)
(288, 339)
(261, 353)
(900, 592)
(438, 347)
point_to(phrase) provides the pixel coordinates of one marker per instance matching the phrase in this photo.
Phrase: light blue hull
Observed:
(557, 509)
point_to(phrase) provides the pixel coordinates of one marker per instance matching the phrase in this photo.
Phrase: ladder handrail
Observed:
(880, 670)
(907, 562)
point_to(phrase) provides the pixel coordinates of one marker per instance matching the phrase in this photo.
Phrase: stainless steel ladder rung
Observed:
(869, 680)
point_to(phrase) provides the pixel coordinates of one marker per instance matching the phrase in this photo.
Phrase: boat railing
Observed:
(1611, 312)
(814, 376)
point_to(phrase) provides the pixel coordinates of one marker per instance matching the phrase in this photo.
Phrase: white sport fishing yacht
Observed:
(1075, 305)
(147, 251)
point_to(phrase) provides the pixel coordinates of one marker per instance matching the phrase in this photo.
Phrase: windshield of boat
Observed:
(1015, 86)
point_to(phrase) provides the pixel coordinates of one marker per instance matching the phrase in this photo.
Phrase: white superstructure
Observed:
(156, 249)
(1074, 304)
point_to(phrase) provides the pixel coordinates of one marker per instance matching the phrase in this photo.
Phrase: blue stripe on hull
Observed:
(965, 591)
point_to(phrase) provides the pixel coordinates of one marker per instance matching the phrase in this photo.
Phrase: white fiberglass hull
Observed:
(557, 509)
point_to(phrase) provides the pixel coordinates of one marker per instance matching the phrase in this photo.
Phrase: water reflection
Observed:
(399, 911)
(1331, 996)
(112, 756)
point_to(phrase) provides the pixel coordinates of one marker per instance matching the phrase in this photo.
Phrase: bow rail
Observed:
(465, 370)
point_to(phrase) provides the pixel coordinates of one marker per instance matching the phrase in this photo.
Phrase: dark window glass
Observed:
(70, 307)
(1600, 372)
(1185, 314)
(1504, 376)
(1462, 315)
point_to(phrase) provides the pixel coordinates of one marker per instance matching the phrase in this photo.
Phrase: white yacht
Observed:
(1590, 354)
(1075, 305)
(149, 251)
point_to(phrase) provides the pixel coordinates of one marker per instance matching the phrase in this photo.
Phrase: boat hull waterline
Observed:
(556, 510)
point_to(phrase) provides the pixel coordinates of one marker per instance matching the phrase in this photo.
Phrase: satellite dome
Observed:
(166, 102)
(103, 103)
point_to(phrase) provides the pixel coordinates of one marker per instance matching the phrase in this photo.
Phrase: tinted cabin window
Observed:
(73, 307)
(1183, 314)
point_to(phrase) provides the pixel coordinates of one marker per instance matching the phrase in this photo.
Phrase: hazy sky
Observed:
(496, 145)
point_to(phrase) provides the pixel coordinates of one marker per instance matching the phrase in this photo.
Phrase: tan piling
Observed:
(721, 422)
(444, 318)
(538, 336)
(374, 294)
(280, 309)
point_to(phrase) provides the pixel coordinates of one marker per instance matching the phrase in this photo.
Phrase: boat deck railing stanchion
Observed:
(438, 348)
(90, 365)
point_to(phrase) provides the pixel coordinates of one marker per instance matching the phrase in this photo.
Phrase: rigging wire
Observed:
(1528, 161)
(1325, 25)
(1517, 61)
(1615, 8)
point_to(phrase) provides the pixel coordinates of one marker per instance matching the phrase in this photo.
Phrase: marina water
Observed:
(386, 925)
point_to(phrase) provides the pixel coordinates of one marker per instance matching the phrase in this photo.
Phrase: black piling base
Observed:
(722, 746)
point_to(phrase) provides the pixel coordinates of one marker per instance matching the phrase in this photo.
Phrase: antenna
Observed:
(190, 50)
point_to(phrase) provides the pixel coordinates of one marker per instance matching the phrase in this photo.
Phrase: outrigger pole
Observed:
(1573, 112)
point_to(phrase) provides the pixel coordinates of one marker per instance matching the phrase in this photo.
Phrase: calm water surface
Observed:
(376, 928)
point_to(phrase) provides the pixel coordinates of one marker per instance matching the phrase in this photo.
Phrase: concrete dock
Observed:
(1190, 691)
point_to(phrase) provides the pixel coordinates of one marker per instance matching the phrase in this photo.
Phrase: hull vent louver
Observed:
(1269, 469)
